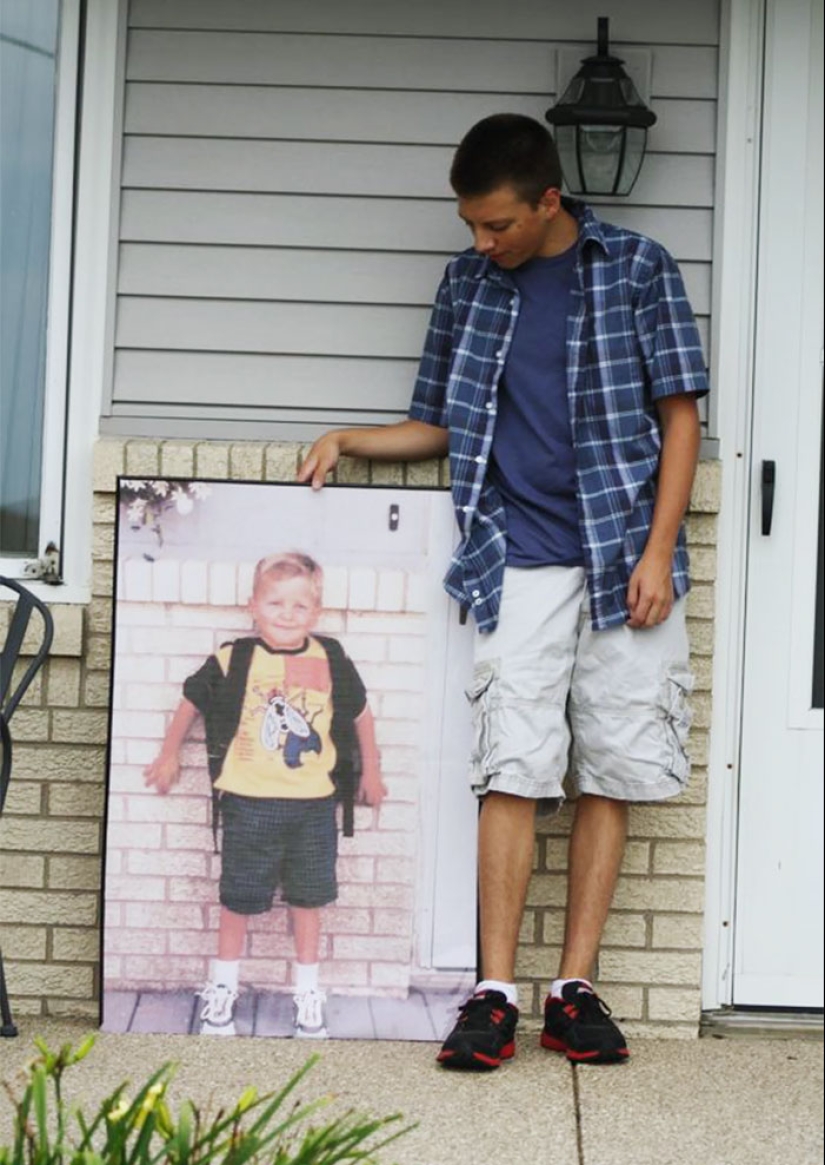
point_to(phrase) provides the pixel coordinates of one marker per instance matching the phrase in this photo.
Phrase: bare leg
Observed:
(594, 861)
(231, 935)
(306, 925)
(505, 863)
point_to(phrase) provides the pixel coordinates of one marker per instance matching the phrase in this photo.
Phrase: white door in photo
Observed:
(778, 936)
(448, 907)
(415, 530)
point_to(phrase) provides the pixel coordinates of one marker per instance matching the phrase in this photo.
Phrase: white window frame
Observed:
(81, 274)
(59, 283)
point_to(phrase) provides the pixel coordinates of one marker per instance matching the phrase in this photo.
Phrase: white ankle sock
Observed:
(508, 990)
(306, 976)
(226, 971)
(558, 985)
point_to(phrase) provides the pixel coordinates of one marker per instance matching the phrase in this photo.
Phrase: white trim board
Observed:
(741, 55)
(93, 280)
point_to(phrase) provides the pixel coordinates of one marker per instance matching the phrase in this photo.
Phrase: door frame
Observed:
(742, 71)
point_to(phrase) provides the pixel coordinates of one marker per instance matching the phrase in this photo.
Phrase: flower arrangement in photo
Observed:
(145, 501)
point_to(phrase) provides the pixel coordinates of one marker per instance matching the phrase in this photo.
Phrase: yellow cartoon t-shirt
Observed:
(283, 746)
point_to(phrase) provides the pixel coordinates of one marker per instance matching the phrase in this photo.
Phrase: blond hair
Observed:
(292, 564)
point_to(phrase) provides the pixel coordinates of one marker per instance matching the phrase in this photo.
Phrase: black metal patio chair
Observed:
(25, 603)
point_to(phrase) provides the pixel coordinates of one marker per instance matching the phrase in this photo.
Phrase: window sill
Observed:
(60, 593)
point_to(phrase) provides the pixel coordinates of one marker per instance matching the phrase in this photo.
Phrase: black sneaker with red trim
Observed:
(484, 1035)
(579, 1025)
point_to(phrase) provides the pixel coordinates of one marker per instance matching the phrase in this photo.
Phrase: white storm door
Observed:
(778, 936)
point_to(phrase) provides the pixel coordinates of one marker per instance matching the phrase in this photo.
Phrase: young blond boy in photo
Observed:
(283, 711)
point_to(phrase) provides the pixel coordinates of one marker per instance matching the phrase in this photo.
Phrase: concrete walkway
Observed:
(709, 1102)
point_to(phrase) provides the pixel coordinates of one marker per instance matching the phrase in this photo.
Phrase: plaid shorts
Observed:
(280, 842)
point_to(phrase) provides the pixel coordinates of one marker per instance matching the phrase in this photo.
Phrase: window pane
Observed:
(28, 47)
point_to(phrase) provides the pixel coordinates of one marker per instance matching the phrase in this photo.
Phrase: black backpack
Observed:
(222, 725)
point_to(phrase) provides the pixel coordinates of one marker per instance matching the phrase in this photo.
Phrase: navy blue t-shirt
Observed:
(532, 463)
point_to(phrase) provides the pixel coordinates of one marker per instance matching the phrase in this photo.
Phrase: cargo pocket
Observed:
(676, 689)
(480, 694)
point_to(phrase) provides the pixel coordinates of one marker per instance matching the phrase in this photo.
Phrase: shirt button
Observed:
(499, 354)
(476, 594)
(479, 460)
(489, 406)
(477, 602)
(465, 509)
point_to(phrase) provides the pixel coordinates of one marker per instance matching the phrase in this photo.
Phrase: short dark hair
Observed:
(506, 149)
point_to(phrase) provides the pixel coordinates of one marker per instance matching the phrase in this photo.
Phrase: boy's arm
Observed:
(372, 789)
(163, 772)
(406, 441)
(650, 591)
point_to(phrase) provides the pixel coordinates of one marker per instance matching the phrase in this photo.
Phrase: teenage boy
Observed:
(277, 708)
(561, 372)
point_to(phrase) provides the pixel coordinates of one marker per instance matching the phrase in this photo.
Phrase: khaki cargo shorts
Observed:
(544, 681)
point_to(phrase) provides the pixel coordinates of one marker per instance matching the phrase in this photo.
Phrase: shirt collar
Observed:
(487, 269)
(492, 271)
(590, 229)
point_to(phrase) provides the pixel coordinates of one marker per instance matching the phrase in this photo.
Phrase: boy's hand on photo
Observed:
(371, 791)
(163, 773)
(321, 460)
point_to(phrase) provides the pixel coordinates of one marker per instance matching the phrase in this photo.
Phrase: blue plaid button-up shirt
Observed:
(631, 340)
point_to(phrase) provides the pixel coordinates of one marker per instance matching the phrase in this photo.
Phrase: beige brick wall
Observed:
(51, 833)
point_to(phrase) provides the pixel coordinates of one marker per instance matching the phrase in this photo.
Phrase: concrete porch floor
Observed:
(705, 1102)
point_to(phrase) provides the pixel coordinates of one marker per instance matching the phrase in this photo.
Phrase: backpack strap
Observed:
(347, 772)
(228, 717)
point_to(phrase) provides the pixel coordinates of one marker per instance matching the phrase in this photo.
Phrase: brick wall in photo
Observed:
(51, 834)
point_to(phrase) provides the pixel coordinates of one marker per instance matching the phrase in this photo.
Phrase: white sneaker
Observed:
(217, 1013)
(310, 1020)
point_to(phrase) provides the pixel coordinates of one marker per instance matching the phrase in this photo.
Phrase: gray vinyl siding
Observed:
(285, 214)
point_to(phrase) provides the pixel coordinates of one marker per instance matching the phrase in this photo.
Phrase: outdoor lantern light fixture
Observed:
(600, 125)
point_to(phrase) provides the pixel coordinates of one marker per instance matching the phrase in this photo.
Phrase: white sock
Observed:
(508, 990)
(557, 986)
(226, 971)
(306, 976)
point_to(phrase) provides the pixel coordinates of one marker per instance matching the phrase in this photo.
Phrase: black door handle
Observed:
(768, 486)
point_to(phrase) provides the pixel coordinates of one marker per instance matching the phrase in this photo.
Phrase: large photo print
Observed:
(290, 837)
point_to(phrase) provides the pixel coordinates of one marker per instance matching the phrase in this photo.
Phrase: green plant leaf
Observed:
(40, 1103)
(107, 1106)
(83, 1050)
(181, 1143)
